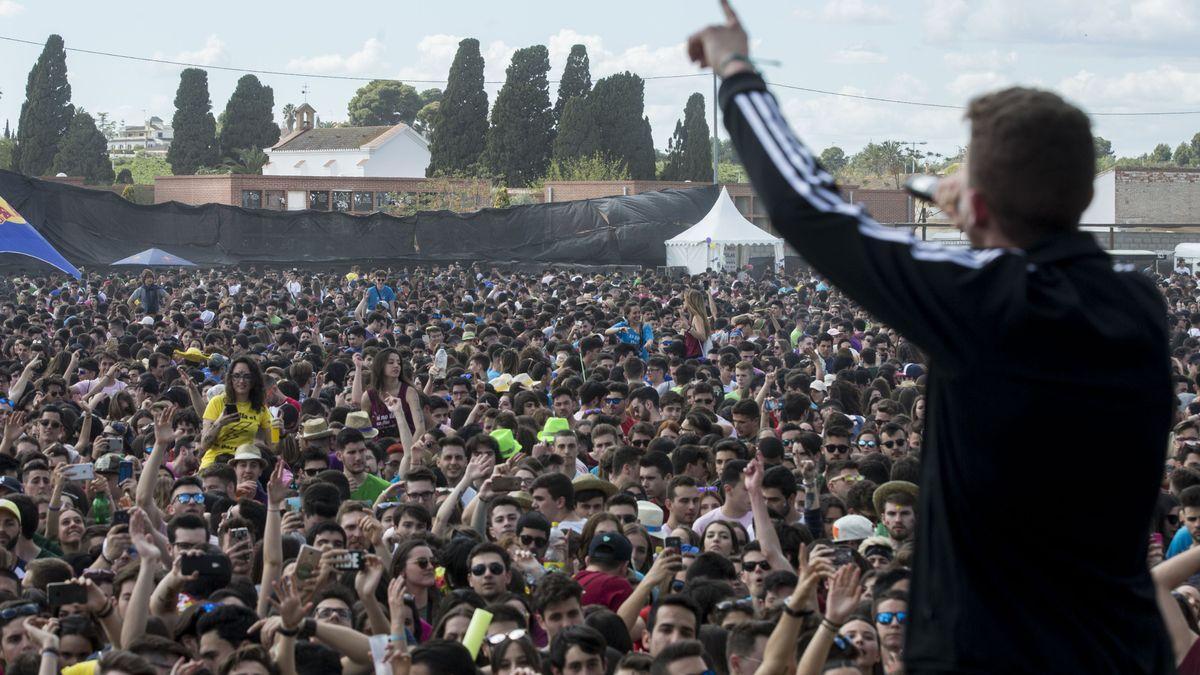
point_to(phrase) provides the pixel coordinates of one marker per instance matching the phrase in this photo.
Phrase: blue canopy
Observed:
(155, 257)
(18, 236)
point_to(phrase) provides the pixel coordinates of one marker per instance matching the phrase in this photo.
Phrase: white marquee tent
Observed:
(722, 240)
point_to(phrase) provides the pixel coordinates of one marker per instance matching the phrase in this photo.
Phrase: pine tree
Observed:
(577, 134)
(689, 155)
(84, 152)
(383, 103)
(618, 102)
(46, 113)
(522, 131)
(460, 135)
(249, 120)
(576, 80)
(195, 143)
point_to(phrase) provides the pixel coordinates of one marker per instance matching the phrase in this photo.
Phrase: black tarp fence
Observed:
(93, 228)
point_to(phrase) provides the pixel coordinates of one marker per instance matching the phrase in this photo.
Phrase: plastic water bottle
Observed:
(439, 361)
(100, 509)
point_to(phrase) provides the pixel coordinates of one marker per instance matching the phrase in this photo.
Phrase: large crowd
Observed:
(445, 470)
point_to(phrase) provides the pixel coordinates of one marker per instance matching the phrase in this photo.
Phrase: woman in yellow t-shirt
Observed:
(239, 415)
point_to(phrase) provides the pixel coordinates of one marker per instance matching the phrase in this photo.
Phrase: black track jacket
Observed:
(1049, 405)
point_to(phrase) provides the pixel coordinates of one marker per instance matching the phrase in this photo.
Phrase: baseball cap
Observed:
(7, 505)
(610, 547)
(12, 485)
(818, 385)
(912, 370)
(852, 528)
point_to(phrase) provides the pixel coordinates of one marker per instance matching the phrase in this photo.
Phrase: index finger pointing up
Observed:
(731, 17)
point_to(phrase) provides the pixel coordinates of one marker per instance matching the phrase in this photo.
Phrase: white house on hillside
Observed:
(154, 137)
(375, 152)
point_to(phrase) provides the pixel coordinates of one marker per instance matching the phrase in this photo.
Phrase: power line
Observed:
(320, 76)
(263, 71)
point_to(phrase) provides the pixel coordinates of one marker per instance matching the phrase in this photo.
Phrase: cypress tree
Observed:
(460, 134)
(618, 102)
(576, 80)
(249, 120)
(84, 152)
(577, 134)
(689, 155)
(519, 140)
(195, 143)
(46, 113)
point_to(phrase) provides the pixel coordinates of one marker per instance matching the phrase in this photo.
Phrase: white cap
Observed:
(852, 528)
(818, 385)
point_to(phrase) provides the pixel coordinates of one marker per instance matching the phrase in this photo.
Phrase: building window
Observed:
(362, 201)
(276, 200)
(341, 200)
(318, 200)
(251, 199)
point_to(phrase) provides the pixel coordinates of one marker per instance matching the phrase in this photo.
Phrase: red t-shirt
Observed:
(602, 588)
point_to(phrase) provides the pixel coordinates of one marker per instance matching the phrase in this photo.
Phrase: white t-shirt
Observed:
(702, 522)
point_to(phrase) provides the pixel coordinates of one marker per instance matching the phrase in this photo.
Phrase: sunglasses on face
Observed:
(886, 618)
(640, 443)
(837, 449)
(743, 605)
(495, 568)
(30, 609)
(867, 444)
(614, 401)
(626, 518)
(536, 542)
(423, 563)
(197, 498)
(756, 565)
(53, 424)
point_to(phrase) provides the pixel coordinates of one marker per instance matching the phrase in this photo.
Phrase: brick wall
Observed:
(1157, 196)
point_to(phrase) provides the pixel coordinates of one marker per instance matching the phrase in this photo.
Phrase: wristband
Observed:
(833, 627)
(105, 558)
(797, 613)
(736, 56)
(107, 612)
(51, 650)
(288, 633)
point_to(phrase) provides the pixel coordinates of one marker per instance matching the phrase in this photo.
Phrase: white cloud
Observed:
(969, 84)
(11, 8)
(857, 56)
(1136, 22)
(848, 11)
(361, 61)
(1166, 87)
(212, 52)
(987, 60)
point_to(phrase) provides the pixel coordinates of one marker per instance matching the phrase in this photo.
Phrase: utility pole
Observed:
(716, 143)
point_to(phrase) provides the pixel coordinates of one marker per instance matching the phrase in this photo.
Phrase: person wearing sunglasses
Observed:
(891, 616)
(489, 566)
(893, 441)
(49, 429)
(836, 444)
(840, 476)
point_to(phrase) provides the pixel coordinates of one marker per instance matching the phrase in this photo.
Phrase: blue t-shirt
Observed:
(1181, 542)
(630, 336)
(376, 295)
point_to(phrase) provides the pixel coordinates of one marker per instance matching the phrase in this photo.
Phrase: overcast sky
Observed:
(1107, 55)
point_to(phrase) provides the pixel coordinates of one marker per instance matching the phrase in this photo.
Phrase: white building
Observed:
(154, 137)
(362, 152)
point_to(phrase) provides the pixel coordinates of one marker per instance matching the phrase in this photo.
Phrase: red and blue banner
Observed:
(18, 236)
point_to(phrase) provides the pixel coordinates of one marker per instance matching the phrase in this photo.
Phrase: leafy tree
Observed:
(884, 159)
(383, 103)
(289, 116)
(617, 104)
(106, 126)
(245, 160)
(1103, 147)
(143, 167)
(432, 95)
(125, 177)
(522, 131)
(577, 133)
(1183, 155)
(84, 152)
(427, 118)
(576, 80)
(689, 151)
(833, 159)
(591, 167)
(1160, 154)
(460, 135)
(249, 119)
(46, 113)
(195, 143)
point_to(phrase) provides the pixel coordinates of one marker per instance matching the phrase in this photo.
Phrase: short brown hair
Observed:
(1033, 159)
